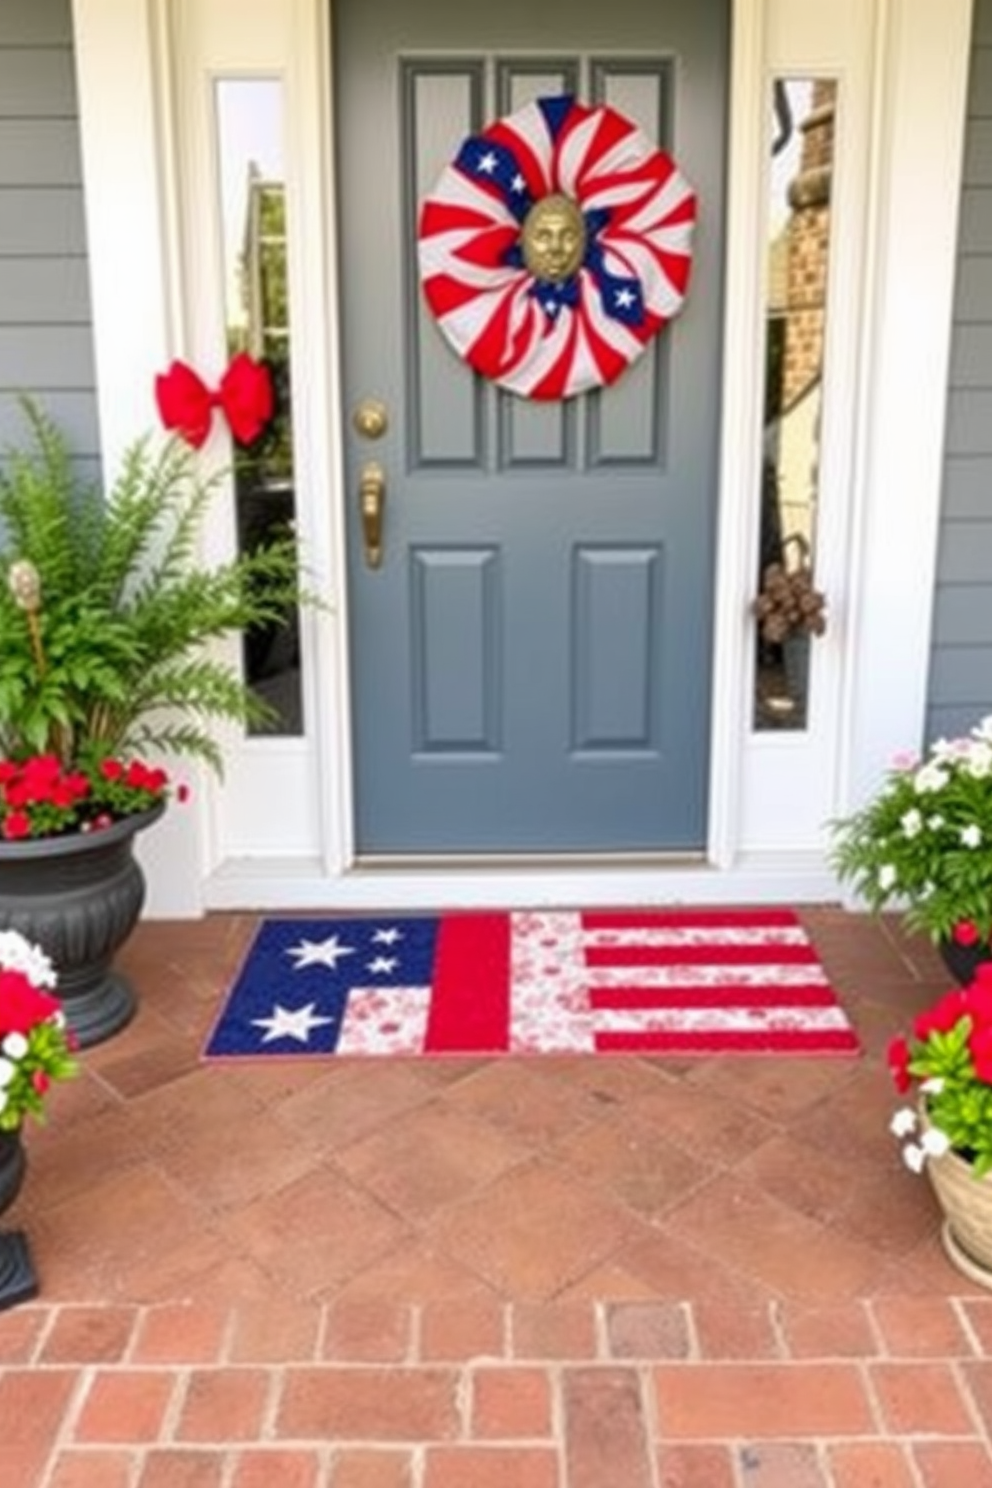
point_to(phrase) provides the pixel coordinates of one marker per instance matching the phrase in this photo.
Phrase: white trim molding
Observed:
(145, 68)
(921, 87)
(123, 82)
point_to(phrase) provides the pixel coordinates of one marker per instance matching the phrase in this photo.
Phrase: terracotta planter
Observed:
(966, 1203)
(18, 1282)
(79, 898)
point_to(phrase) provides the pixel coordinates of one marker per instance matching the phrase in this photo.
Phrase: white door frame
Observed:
(903, 68)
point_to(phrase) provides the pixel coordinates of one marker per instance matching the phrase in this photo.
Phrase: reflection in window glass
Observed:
(798, 249)
(252, 177)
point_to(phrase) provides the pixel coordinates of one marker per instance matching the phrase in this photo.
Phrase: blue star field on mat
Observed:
(293, 989)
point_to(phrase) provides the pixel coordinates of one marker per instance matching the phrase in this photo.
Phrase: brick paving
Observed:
(604, 1273)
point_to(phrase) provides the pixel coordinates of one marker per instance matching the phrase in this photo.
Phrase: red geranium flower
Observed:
(980, 1049)
(966, 933)
(899, 1063)
(16, 824)
(22, 1005)
(942, 1017)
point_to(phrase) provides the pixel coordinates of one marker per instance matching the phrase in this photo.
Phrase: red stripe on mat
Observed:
(701, 955)
(711, 997)
(689, 919)
(787, 1041)
(470, 992)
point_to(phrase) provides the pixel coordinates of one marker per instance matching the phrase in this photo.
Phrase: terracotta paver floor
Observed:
(563, 1273)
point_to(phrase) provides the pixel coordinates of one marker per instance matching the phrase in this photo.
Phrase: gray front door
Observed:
(531, 660)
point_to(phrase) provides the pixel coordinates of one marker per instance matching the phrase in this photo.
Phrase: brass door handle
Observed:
(372, 504)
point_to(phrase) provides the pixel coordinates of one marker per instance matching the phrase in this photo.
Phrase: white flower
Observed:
(18, 954)
(971, 836)
(983, 730)
(931, 778)
(914, 1157)
(979, 761)
(912, 823)
(935, 822)
(934, 1142)
(15, 1046)
(933, 1085)
(8, 1070)
(903, 1122)
(887, 877)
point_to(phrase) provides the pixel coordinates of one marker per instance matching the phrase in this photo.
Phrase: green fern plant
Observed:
(107, 617)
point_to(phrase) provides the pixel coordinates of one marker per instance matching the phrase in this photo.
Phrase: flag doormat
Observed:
(533, 982)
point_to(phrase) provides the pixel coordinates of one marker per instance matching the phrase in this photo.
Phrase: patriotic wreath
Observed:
(554, 246)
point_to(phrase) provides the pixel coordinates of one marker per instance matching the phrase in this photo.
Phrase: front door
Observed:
(530, 658)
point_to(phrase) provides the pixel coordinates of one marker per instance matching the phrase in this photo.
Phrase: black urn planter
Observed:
(18, 1282)
(79, 897)
(962, 961)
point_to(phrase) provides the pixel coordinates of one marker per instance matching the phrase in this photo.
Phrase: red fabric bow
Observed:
(245, 397)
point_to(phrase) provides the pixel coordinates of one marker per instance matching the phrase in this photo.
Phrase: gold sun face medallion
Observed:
(553, 238)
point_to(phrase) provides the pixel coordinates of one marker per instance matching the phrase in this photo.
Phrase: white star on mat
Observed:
(296, 1023)
(387, 937)
(383, 964)
(319, 953)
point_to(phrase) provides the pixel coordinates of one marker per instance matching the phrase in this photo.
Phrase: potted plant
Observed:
(106, 621)
(35, 1049)
(923, 846)
(948, 1132)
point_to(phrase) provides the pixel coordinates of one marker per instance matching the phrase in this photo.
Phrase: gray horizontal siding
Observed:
(973, 293)
(46, 342)
(965, 555)
(30, 23)
(976, 219)
(962, 616)
(50, 356)
(960, 685)
(37, 224)
(74, 412)
(37, 83)
(43, 291)
(966, 489)
(39, 152)
(965, 677)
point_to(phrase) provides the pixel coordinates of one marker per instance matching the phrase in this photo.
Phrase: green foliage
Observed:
(924, 843)
(121, 660)
(36, 1047)
(950, 1058)
(47, 1056)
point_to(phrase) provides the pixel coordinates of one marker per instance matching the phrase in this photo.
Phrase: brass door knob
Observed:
(370, 418)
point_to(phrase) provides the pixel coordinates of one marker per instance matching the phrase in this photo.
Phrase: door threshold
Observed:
(524, 862)
(296, 884)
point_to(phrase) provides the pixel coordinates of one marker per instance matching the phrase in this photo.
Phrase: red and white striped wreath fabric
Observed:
(538, 338)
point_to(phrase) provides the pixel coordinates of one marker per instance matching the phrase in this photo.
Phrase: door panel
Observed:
(530, 664)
